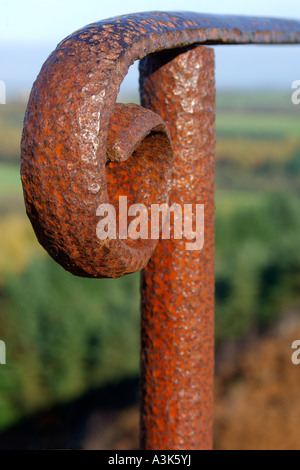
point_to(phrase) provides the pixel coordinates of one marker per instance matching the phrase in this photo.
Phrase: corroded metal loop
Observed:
(137, 164)
(64, 171)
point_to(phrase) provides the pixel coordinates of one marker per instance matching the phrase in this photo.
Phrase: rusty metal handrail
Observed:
(76, 146)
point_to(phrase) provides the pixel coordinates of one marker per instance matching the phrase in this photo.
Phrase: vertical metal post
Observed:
(177, 286)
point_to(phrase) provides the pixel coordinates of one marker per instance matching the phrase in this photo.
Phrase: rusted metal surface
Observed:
(178, 285)
(134, 132)
(80, 149)
(67, 123)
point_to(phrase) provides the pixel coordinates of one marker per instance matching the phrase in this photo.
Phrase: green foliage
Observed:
(257, 264)
(64, 335)
(293, 165)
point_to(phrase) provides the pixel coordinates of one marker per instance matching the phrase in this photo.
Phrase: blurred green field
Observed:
(11, 120)
(65, 334)
(260, 125)
(255, 101)
(10, 181)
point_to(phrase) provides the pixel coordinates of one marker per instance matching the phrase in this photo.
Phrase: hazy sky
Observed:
(30, 30)
(51, 20)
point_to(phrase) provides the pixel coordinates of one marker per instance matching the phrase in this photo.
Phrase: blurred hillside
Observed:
(66, 336)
